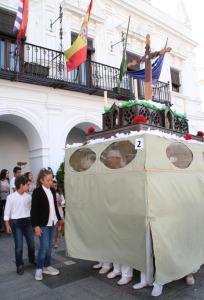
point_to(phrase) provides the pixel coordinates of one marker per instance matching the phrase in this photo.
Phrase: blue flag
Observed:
(156, 70)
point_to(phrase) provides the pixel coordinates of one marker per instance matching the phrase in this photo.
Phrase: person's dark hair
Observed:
(43, 172)
(15, 169)
(3, 174)
(58, 187)
(20, 180)
(27, 175)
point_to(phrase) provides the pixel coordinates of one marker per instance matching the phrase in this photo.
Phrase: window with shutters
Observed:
(130, 58)
(90, 47)
(7, 19)
(175, 80)
(7, 41)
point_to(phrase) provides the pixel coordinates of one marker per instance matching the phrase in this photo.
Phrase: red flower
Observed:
(188, 137)
(90, 130)
(200, 133)
(139, 118)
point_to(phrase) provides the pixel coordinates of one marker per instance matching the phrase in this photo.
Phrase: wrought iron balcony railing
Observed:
(42, 66)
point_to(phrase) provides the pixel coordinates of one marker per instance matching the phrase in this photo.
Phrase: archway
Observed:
(78, 133)
(20, 143)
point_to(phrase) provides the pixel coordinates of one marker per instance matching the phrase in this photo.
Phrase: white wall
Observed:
(46, 116)
(14, 146)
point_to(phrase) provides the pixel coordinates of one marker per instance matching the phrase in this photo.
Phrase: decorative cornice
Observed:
(96, 16)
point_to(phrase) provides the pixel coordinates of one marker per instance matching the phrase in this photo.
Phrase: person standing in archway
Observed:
(4, 189)
(16, 172)
(17, 209)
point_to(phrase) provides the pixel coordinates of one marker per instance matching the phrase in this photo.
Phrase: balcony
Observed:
(42, 66)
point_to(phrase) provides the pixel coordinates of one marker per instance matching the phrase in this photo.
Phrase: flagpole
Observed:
(77, 53)
(20, 27)
(105, 99)
(123, 65)
(185, 102)
(16, 58)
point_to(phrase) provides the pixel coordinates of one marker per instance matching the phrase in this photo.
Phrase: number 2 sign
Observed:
(139, 143)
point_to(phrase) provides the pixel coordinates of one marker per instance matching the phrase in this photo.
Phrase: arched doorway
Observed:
(78, 133)
(20, 143)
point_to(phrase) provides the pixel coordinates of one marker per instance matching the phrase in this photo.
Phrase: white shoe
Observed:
(157, 290)
(38, 274)
(55, 245)
(124, 280)
(190, 279)
(113, 274)
(139, 285)
(50, 270)
(97, 266)
(104, 270)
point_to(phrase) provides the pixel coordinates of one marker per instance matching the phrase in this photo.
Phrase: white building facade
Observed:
(38, 117)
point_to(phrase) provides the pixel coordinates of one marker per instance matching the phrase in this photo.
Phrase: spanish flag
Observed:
(76, 55)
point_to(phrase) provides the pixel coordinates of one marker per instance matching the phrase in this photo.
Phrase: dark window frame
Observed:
(175, 80)
(130, 57)
(8, 42)
(7, 19)
(80, 74)
(90, 41)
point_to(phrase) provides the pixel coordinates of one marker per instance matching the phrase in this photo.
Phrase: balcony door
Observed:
(7, 39)
(82, 75)
(8, 55)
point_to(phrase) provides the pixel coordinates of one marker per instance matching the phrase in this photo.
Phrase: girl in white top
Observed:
(32, 184)
(60, 203)
(5, 185)
(4, 192)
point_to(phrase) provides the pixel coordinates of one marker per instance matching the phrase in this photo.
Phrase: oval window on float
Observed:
(82, 159)
(118, 155)
(180, 155)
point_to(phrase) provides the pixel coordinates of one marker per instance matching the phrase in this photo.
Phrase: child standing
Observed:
(60, 202)
(32, 185)
(4, 192)
(17, 210)
(44, 216)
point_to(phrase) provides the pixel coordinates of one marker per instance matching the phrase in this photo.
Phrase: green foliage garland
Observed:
(60, 177)
(179, 115)
(146, 104)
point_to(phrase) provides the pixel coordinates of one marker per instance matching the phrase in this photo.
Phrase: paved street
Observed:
(78, 280)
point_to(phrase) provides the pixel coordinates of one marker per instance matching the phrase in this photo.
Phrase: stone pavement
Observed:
(78, 280)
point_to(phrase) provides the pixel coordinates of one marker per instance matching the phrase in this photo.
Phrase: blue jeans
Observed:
(20, 228)
(45, 250)
(2, 206)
